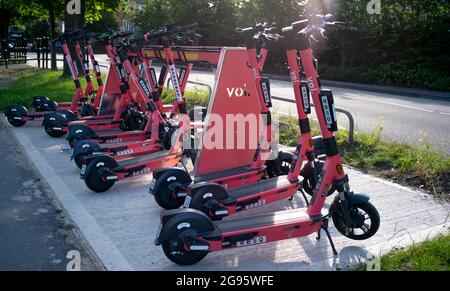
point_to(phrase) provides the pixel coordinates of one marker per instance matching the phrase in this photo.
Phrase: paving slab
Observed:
(121, 225)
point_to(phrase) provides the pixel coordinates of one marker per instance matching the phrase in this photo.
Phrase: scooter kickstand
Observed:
(325, 228)
(306, 200)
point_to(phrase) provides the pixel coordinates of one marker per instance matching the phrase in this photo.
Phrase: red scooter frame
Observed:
(18, 115)
(188, 235)
(170, 187)
(114, 137)
(105, 122)
(232, 192)
(100, 172)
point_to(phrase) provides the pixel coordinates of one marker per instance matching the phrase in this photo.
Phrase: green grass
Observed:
(36, 83)
(419, 166)
(194, 97)
(432, 255)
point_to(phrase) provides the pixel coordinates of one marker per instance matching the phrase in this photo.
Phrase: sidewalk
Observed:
(120, 225)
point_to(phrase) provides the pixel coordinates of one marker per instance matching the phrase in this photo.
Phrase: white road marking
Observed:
(444, 113)
(400, 105)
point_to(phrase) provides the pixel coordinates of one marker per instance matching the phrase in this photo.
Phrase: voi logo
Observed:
(237, 91)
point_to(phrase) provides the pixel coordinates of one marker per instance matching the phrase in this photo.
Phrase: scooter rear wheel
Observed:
(95, 181)
(17, 123)
(49, 129)
(165, 198)
(360, 214)
(175, 252)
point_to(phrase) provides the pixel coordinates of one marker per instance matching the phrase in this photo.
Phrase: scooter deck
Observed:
(102, 133)
(144, 159)
(260, 187)
(95, 121)
(263, 220)
(226, 173)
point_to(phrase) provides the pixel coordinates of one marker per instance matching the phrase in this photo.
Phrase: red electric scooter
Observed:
(170, 187)
(116, 102)
(100, 172)
(18, 115)
(89, 90)
(78, 132)
(188, 235)
(156, 142)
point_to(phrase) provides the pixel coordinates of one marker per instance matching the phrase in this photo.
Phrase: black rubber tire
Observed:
(17, 123)
(165, 199)
(78, 159)
(95, 182)
(185, 258)
(370, 210)
(53, 133)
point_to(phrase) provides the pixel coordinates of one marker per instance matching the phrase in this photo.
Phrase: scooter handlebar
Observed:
(169, 30)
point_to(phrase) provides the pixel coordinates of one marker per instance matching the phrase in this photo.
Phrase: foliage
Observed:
(420, 166)
(108, 20)
(433, 255)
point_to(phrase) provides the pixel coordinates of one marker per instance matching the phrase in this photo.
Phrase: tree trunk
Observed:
(5, 16)
(73, 22)
(52, 20)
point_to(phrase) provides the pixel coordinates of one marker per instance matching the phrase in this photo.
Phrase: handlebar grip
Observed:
(245, 30)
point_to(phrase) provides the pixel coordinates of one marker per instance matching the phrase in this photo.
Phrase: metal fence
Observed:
(13, 52)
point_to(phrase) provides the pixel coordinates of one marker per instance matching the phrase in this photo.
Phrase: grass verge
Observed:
(420, 166)
(34, 82)
(432, 255)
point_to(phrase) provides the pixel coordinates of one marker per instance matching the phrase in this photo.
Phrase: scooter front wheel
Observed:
(365, 221)
(175, 251)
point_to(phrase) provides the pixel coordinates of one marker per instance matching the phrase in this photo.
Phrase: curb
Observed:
(111, 258)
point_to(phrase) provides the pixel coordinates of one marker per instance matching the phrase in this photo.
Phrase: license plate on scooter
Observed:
(152, 187)
(187, 201)
(254, 241)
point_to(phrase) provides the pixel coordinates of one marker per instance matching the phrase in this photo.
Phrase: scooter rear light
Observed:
(340, 169)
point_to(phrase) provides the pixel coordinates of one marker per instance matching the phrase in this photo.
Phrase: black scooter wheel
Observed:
(165, 197)
(95, 181)
(68, 115)
(15, 115)
(38, 100)
(53, 133)
(78, 159)
(361, 229)
(175, 252)
(17, 123)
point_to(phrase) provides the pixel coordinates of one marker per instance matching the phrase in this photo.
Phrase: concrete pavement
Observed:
(121, 225)
(34, 234)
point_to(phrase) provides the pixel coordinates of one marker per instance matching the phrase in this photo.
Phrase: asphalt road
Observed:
(34, 233)
(404, 119)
